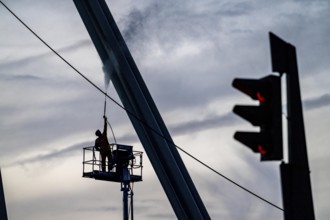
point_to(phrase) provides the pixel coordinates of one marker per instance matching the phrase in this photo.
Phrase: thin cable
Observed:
(133, 115)
(233, 182)
(113, 134)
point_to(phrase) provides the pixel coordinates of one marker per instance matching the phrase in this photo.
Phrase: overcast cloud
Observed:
(188, 52)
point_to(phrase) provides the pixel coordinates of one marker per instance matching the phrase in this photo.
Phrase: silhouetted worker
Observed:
(102, 144)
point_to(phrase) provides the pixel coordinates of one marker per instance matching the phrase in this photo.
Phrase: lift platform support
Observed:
(142, 110)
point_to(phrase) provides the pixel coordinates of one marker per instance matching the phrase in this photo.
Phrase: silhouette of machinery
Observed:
(125, 161)
(127, 169)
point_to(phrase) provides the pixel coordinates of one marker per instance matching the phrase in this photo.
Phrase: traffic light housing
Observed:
(267, 115)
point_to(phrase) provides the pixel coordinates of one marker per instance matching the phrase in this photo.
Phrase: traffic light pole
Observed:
(295, 175)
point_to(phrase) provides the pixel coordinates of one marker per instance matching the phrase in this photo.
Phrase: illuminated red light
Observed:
(260, 97)
(261, 150)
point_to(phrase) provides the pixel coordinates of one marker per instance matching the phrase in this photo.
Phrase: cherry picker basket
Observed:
(127, 164)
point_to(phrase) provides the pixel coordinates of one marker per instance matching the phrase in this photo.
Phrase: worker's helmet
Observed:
(98, 133)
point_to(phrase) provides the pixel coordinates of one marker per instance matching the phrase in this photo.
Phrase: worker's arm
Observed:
(105, 126)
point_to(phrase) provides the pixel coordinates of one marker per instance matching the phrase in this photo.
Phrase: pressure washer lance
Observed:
(105, 103)
(105, 109)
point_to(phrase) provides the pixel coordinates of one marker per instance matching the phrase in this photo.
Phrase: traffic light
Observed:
(267, 115)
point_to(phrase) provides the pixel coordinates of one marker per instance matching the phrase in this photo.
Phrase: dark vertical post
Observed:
(125, 200)
(132, 207)
(3, 210)
(296, 184)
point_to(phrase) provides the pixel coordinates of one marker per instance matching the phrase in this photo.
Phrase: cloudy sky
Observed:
(188, 53)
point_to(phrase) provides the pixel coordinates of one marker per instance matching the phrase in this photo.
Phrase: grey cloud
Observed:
(192, 126)
(98, 209)
(230, 119)
(80, 44)
(62, 204)
(145, 206)
(53, 155)
(68, 151)
(19, 63)
(183, 128)
(207, 123)
(317, 102)
(23, 61)
(19, 77)
(161, 216)
(233, 9)
(194, 83)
